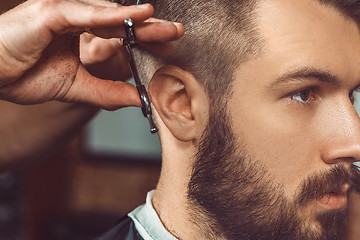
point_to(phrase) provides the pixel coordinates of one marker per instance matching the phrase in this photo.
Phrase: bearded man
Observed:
(256, 122)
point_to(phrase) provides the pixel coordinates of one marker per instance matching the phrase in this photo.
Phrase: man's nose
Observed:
(341, 136)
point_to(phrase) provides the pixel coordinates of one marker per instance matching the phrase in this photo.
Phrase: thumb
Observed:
(106, 94)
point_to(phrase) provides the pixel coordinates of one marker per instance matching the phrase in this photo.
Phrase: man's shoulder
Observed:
(124, 230)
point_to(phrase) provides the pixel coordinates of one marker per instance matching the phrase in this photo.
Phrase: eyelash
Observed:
(352, 96)
(310, 91)
(313, 91)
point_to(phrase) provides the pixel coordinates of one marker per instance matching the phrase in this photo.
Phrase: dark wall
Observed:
(8, 4)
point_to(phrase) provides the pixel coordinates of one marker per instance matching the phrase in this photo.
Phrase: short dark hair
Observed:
(220, 34)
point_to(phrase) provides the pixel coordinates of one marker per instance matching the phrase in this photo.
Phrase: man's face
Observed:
(292, 106)
(292, 117)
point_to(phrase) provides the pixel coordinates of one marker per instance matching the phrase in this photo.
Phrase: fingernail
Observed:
(166, 24)
(143, 6)
(171, 23)
(178, 24)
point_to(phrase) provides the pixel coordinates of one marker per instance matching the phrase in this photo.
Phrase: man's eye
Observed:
(304, 96)
(354, 95)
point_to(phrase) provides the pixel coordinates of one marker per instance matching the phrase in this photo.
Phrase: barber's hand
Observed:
(39, 50)
(104, 58)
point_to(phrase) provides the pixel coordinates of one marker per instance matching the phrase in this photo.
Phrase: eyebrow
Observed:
(306, 73)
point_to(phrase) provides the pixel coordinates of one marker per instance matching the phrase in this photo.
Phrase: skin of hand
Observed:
(39, 50)
(104, 58)
(26, 139)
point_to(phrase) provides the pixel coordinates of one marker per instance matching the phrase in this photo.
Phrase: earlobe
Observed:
(180, 101)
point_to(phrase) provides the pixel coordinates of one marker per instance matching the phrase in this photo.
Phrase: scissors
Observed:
(130, 43)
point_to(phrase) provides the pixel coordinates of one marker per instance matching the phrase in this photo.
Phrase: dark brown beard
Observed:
(229, 196)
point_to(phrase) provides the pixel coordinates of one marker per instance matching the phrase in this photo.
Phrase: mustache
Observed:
(332, 181)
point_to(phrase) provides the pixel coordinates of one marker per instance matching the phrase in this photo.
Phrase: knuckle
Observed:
(95, 53)
(46, 5)
(94, 50)
(94, 12)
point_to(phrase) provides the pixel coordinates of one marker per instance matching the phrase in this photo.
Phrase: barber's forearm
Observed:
(31, 132)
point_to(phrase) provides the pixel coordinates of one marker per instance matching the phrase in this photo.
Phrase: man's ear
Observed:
(180, 101)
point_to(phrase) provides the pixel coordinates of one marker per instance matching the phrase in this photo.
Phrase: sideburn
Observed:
(230, 198)
(228, 195)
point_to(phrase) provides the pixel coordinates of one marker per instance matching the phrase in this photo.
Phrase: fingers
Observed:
(106, 20)
(145, 31)
(67, 15)
(106, 94)
(95, 50)
(154, 35)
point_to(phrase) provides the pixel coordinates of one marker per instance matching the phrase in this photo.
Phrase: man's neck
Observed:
(171, 205)
(170, 199)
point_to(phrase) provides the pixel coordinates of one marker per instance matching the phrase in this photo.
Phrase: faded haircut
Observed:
(220, 35)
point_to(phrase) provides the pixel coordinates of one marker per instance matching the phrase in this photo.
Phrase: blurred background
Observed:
(82, 189)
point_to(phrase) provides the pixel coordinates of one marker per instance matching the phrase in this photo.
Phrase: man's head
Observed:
(261, 94)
